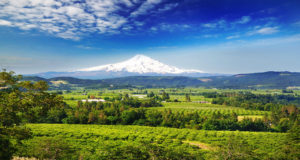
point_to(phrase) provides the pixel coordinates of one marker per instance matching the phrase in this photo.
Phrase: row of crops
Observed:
(91, 139)
(208, 109)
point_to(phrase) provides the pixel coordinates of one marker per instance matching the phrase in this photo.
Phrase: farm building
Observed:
(139, 95)
(93, 100)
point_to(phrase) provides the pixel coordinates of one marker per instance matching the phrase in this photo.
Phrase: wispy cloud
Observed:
(163, 47)
(244, 19)
(230, 26)
(170, 27)
(85, 47)
(297, 23)
(233, 37)
(264, 31)
(223, 23)
(74, 19)
(208, 36)
(216, 24)
(269, 41)
(5, 23)
(168, 7)
(144, 7)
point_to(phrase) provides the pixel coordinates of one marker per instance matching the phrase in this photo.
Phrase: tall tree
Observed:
(19, 101)
(187, 98)
(165, 96)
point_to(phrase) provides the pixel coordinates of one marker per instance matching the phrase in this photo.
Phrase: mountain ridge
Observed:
(141, 64)
(261, 80)
(138, 65)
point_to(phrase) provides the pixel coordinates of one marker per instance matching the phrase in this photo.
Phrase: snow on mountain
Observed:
(141, 64)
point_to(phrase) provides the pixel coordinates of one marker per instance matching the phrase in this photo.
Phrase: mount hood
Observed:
(138, 65)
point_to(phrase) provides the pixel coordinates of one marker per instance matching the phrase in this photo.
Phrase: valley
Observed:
(149, 80)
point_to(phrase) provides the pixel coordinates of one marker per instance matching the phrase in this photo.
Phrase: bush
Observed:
(48, 148)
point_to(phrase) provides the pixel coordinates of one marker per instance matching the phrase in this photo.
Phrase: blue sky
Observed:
(220, 36)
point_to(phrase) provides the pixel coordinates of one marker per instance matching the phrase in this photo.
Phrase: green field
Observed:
(92, 140)
(192, 123)
(207, 109)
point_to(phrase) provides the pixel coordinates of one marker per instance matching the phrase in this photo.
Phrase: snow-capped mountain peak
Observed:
(141, 64)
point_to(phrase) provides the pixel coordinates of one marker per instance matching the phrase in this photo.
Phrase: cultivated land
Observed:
(147, 123)
(88, 140)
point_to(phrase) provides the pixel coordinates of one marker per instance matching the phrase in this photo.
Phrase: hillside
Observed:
(270, 79)
(265, 80)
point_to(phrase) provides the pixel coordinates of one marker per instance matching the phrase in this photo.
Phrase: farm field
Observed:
(162, 123)
(251, 117)
(92, 141)
(207, 109)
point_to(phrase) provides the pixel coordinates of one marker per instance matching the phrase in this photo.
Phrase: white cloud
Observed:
(163, 47)
(209, 25)
(264, 31)
(5, 23)
(153, 29)
(170, 27)
(168, 7)
(72, 20)
(244, 19)
(138, 23)
(271, 41)
(208, 36)
(128, 3)
(233, 37)
(222, 23)
(217, 24)
(147, 5)
(86, 47)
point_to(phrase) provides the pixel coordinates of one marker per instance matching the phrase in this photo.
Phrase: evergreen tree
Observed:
(187, 97)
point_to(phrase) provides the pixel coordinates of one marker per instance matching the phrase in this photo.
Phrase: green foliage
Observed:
(6, 147)
(165, 96)
(48, 148)
(236, 148)
(249, 100)
(291, 149)
(25, 101)
(151, 94)
(187, 98)
(21, 102)
(141, 142)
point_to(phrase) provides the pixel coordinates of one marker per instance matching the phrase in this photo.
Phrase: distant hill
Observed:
(34, 78)
(270, 79)
(265, 80)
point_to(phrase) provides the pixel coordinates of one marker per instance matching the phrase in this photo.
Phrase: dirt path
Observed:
(199, 144)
